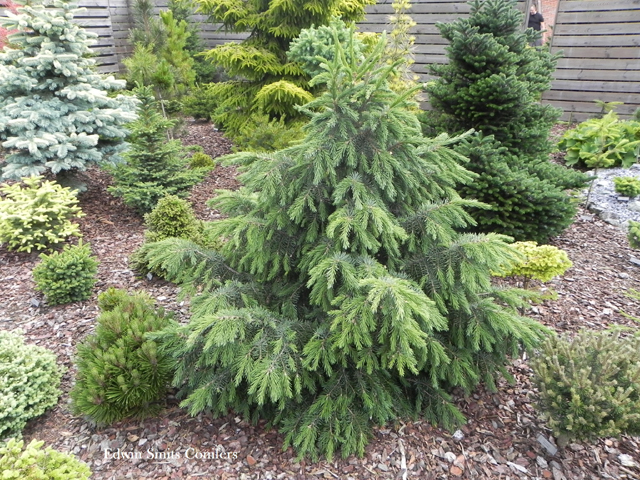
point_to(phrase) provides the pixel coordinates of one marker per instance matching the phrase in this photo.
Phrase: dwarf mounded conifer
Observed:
(55, 113)
(343, 295)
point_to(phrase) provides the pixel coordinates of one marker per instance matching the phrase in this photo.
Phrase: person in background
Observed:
(537, 23)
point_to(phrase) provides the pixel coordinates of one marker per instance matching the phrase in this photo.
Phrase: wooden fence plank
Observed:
(602, 52)
(601, 75)
(596, 40)
(596, 5)
(598, 17)
(599, 64)
(596, 86)
(593, 29)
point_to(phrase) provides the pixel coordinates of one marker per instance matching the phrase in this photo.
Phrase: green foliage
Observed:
(201, 160)
(37, 214)
(493, 80)
(201, 102)
(527, 203)
(56, 112)
(264, 134)
(539, 262)
(401, 46)
(258, 66)
(602, 143)
(155, 166)
(627, 186)
(160, 57)
(493, 83)
(67, 276)
(590, 385)
(343, 295)
(29, 381)
(121, 374)
(634, 234)
(316, 45)
(36, 463)
(172, 217)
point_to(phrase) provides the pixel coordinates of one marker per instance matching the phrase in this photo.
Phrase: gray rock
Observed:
(548, 446)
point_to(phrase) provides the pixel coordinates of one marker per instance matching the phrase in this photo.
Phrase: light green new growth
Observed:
(29, 381)
(343, 295)
(36, 463)
(634, 234)
(539, 262)
(37, 214)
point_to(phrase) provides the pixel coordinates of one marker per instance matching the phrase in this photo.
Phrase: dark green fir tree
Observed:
(493, 83)
(155, 166)
(343, 295)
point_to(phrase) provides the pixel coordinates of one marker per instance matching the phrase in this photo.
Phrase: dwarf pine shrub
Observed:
(36, 463)
(121, 373)
(29, 381)
(37, 214)
(589, 385)
(343, 295)
(66, 276)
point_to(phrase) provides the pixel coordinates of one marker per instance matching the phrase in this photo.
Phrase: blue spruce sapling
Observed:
(55, 111)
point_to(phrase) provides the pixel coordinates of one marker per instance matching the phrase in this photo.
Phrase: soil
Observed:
(503, 439)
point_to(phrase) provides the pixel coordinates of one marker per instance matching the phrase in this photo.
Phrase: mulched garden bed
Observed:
(503, 438)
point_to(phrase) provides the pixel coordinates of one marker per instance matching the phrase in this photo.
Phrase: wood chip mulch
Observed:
(503, 439)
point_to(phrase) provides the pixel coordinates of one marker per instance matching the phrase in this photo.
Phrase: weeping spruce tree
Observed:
(343, 295)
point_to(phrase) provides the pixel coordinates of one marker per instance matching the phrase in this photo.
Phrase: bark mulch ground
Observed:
(503, 439)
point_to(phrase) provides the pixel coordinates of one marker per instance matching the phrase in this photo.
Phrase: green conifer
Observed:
(155, 167)
(264, 81)
(55, 113)
(343, 295)
(493, 83)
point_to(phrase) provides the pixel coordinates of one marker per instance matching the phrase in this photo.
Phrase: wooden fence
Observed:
(600, 40)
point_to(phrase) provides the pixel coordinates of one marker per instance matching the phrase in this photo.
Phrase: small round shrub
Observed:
(36, 463)
(172, 217)
(37, 214)
(627, 186)
(589, 385)
(121, 374)
(201, 160)
(67, 276)
(539, 262)
(634, 234)
(29, 381)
